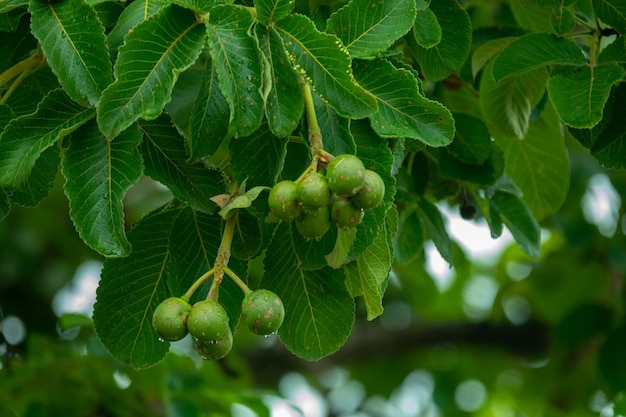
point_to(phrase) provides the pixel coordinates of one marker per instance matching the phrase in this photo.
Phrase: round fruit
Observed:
(345, 174)
(262, 311)
(170, 319)
(283, 200)
(208, 321)
(371, 193)
(345, 214)
(313, 191)
(314, 223)
(215, 349)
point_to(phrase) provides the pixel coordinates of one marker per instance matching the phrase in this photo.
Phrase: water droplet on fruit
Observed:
(161, 339)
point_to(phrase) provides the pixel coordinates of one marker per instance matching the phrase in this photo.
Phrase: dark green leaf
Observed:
(519, 220)
(610, 363)
(583, 323)
(472, 141)
(612, 12)
(247, 239)
(40, 181)
(269, 11)
(485, 173)
(8, 5)
(312, 253)
(336, 135)
(563, 19)
(135, 13)
(410, 239)
(426, 31)
(432, 222)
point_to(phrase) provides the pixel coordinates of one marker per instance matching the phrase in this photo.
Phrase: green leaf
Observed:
(312, 253)
(164, 156)
(368, 27)
(40, 181)
(563, 19)
(507, 104)
(25, 138)
(539, 164)
(483, 54)
(284, 104)
(450, 53)
(242, 201)
(335, 130)
(259, 158)
(147, 67)
(426, 31)
(485, 173)
(536, 50)
(247, 238)
(207, 128)
(432, 222)
(519, 220)
(472, 142)
(402, 110)
(269, 11)
(345, 238)
(579, 94)
(532, 16)
(8, 5)
(75, 48)
(325, 63)
(130, 289)
(238, 66)
(133, 14)
(410, 239)
(319, 312)
(98, 174)
(612, 12)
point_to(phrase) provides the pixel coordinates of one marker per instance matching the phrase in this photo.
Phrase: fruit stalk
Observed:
(315, 134)
(223, 256)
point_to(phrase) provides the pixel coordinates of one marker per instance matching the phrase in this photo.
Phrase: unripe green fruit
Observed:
(215, 349)
(371, 193)
(345, 214)
(313, 224)
(262, 311)
(313, 191)
(345, 174)
(283, 200)
(170, 319)
(208, 321)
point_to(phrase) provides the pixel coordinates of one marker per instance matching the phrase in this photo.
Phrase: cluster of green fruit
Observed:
(315, 200)
(207, 321)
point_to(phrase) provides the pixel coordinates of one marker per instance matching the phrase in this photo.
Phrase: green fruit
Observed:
(170, 319)
(345, 214)
(313, 224)
(283, 200)
(345, 174)
(262, 311)
(371, 193)
(215, 349)
(313, 191)
(208, 321)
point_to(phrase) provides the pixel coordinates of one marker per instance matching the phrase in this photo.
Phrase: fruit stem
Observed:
(197, 284)
(237, 280)
(315, 134)
(223, 256)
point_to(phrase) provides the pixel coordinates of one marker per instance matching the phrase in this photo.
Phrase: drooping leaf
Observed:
(410, 239)
(269, 11)
(579, 94)
(237, 65)
(518, 219)
(98, 173)
(130, 289)
(335, 130)
(402, 110)
(426, 31)
(325, 63)
(368, 27)
(345, 238)
(25, 138)
(472, 142)
(612, 12)
(164, 156)
(319, 311)
(432, 222)
(72, 39)
(147, 67)
(40, 181)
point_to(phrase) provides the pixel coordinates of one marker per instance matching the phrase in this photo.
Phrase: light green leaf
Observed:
(242, 201)
(130, 289)
(325, 63)
(25, 138)
(319, 311)
(612, 12)
(345, 238)
(472, 142)
(579, 94)
(72, 39)
(8, 5)
(98, 173)
(402, 110)
(368, 27)
(238, 66)
(432, 222)
(532, 16)
(147, 68)
(518, 219)
(269, 11)
(336, 135)
(426, 31)
(536, 50)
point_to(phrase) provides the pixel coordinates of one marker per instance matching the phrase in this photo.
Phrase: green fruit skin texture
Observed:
(208, 321)
(216, 349)
(313, 224)
(371, 193)
(263, 311)
(313, 191)
(345, 174)
(345, 214)
(170, 319)
(283, 200)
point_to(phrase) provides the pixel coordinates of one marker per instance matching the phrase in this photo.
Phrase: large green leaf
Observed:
(238, 66)
(612, 12)
(98, 173)
(75, 48)
(130, 289)
(402, 110)
(164, 156)
(518, 219)
(536, 50)
(147, 67)
(325, 63)
(426, 31)
(25, 138)
(368, 27)
(319, 311)
(579, 94)
(269, 11)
